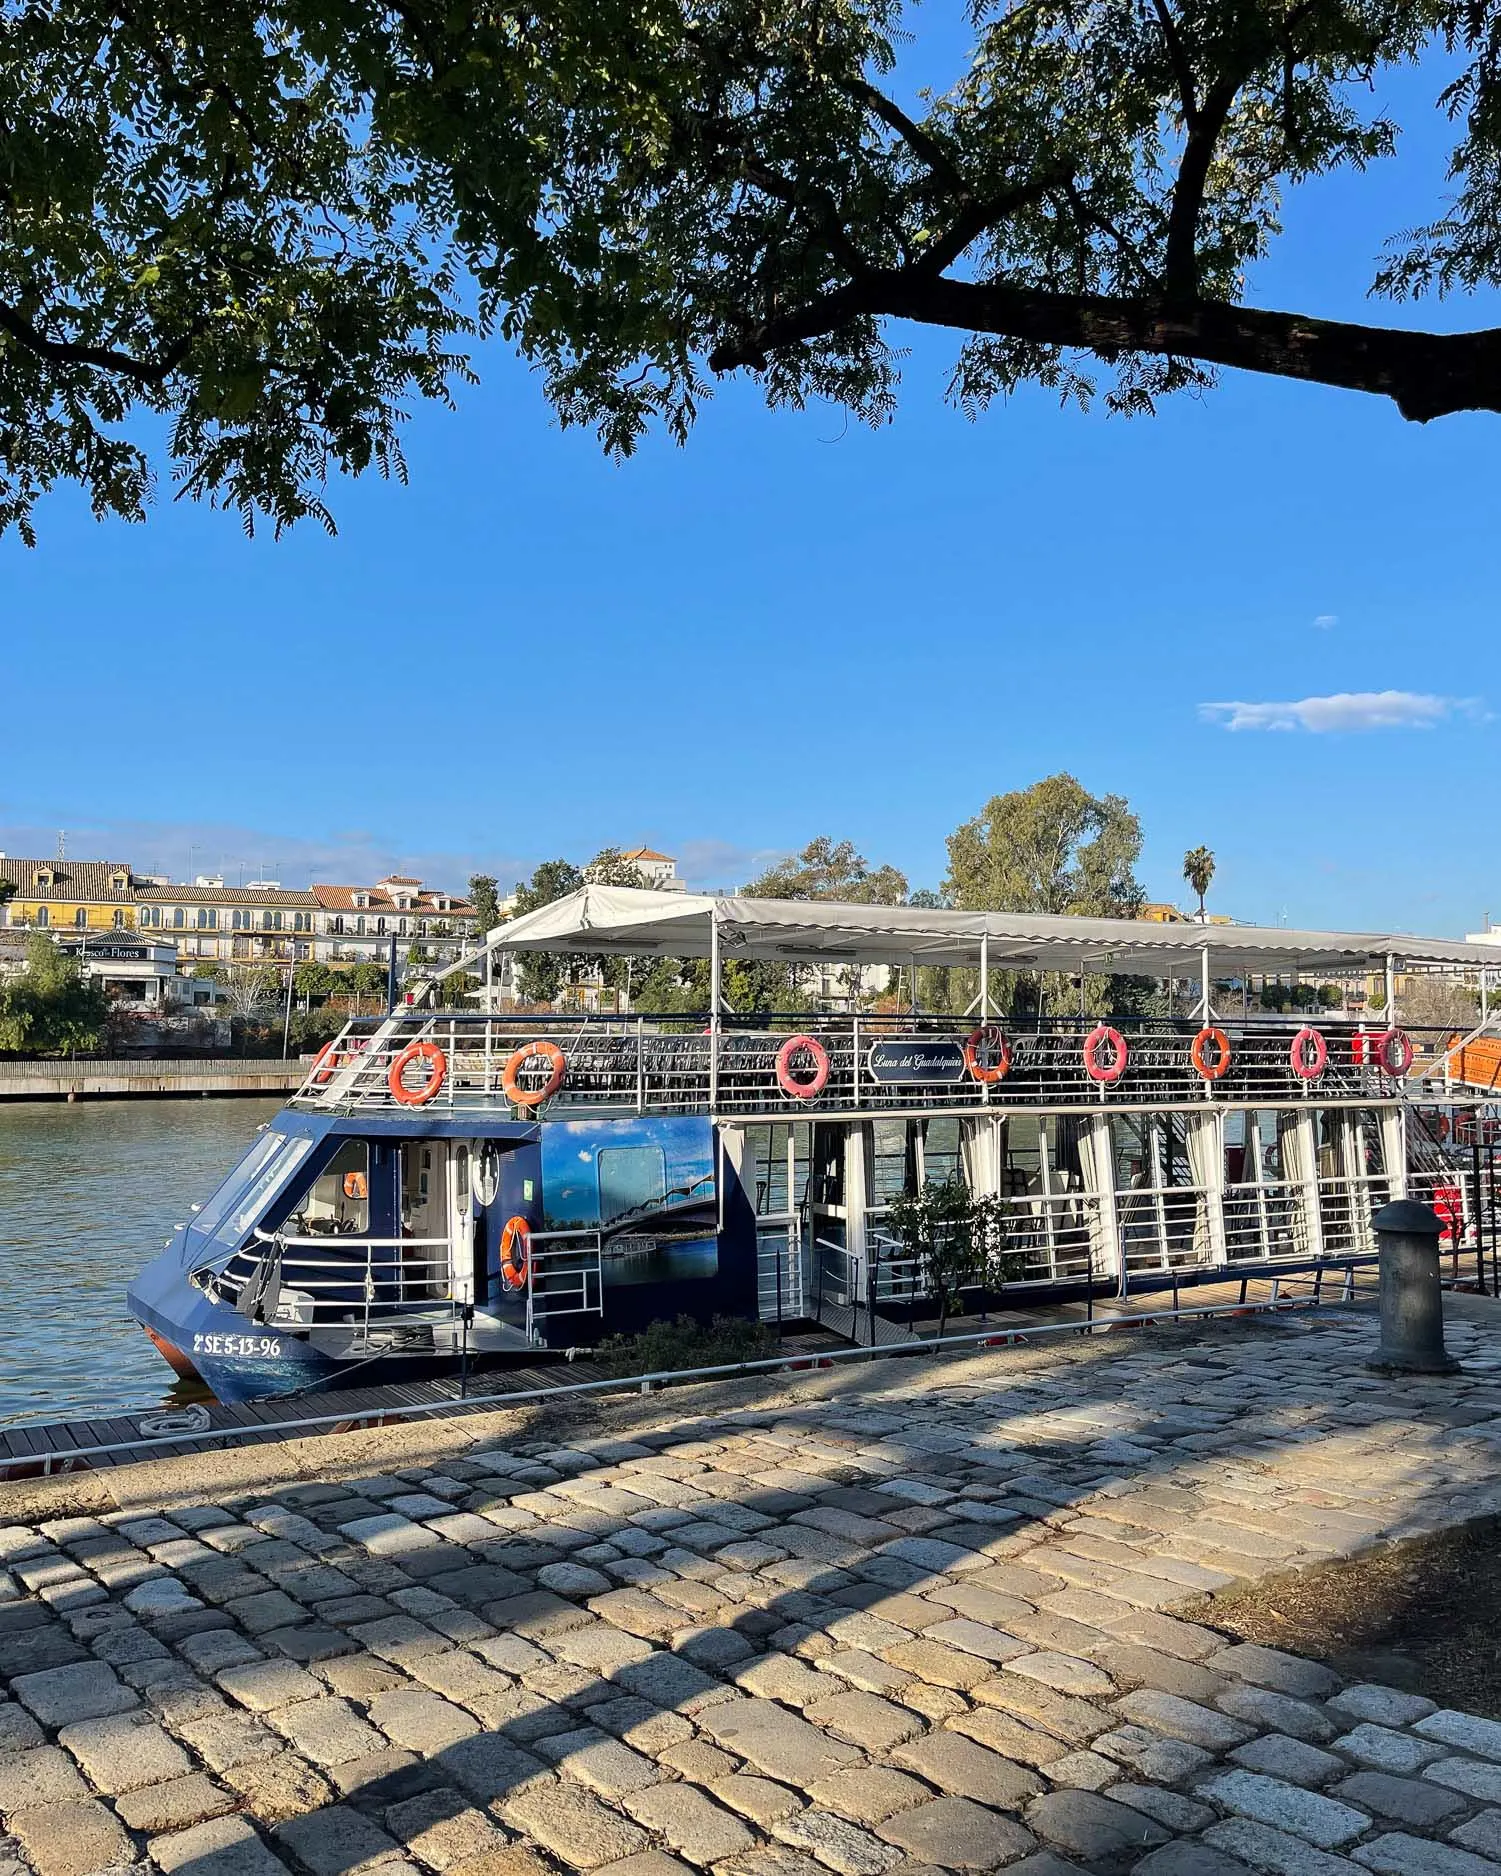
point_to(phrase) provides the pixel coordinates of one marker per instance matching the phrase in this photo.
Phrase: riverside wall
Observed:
(89, 1079)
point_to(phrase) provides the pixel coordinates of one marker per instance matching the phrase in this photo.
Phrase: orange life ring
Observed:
(318, 1072)
(987, 1037)
(1393, 1052)
(787, 1081)
(512, 1274)
(1202, 1066)
(417, 1051)
(1093, 1067)
(1308, 1068)
(512, 1089)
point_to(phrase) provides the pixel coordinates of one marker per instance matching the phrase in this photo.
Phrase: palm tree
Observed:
(1198, 870)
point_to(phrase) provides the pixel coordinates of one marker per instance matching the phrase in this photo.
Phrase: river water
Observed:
(88, 1194)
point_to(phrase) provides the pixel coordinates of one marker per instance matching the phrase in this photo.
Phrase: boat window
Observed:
(893, 1165)
(246, 1204)
(1026, 1155)
(256, 1158)
(339, 1198)
(776, 1166)
(631, 1179)
(940, 1148)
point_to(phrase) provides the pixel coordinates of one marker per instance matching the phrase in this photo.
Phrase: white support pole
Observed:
(1391, 993)
(713, 1008)
(1485, 1005)
(1204, 984)
(985, 976)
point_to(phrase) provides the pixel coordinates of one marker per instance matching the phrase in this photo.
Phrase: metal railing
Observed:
(779, 1269)
(1117, 1238)
(1265, 1219)
(624, 1065)
(564, 1277)
(370, 1286)
(395, 1411)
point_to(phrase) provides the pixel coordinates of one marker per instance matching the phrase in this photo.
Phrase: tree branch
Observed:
(1182, 70)
(1180, 266)
(824, 210)
(147, 373)
(1426, 375)
(975, 217)
(1203, 121)
(922, 142)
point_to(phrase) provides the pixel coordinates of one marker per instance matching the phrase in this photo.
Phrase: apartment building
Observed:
(263, 922)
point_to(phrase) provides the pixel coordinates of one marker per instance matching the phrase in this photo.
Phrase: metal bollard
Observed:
(1412, 1303)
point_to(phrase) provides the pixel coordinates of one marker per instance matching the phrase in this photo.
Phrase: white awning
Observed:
(628, 921)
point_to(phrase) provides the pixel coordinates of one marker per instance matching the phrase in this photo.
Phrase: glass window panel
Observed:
(631, 1178)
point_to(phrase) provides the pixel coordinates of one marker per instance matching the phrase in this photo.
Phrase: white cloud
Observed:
(720, 863)
(1325, 621)
(181, 848)
(1346, 710)
(341, 856)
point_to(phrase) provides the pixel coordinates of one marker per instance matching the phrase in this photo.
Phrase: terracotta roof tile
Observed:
(223, 895)
(75, 880)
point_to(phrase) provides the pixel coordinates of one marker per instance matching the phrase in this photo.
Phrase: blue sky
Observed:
(797, 626)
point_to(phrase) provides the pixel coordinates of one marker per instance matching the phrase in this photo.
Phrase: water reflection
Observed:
(88, 1194)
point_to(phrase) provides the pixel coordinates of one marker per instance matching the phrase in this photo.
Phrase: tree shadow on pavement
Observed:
(910, 1613)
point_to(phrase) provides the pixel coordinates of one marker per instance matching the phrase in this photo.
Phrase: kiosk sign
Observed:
(916, 1060)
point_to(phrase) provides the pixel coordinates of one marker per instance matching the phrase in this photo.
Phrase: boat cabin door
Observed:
(461, 1227)
(437, 1220)
(836, 1202)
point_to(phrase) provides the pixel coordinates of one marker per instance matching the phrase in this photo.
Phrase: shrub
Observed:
(957, 1239)
(686, 1344)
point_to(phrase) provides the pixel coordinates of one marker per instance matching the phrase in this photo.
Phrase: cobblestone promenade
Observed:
(898, 1618)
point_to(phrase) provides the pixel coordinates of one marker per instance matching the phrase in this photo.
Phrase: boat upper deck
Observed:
(735, 1066)
(796, 1067)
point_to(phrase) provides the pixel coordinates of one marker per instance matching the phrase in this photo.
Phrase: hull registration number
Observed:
(237, 1345)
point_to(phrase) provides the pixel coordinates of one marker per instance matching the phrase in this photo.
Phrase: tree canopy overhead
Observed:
(826, 870)
(274, 225)
(1052, 848)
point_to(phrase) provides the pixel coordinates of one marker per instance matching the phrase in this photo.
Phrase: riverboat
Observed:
(451, 1190)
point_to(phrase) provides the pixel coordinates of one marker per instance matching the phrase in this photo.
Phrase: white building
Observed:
(659, 870)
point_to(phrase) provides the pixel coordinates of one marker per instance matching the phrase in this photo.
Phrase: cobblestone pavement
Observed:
(897, 1619)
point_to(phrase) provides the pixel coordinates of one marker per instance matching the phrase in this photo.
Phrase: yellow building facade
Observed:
(69, 895)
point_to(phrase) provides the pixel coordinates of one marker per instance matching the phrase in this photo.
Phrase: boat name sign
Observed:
(916, 1059)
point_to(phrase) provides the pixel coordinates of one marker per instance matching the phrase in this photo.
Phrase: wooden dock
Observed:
(52, 1447)
(79, 1445)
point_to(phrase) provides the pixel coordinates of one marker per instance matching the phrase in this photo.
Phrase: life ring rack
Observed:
(513, 1274)
(420, 1051)
(1206, 1069)
(788, 1082)
(510, 1085)
(989, 1038)
(1097, 1038)
(1305, 1065)
(326, 1064)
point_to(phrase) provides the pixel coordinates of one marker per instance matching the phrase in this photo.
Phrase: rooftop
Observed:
(90, 880)
(628, 921)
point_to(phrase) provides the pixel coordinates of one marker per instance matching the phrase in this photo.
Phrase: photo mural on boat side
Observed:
(648, 1183)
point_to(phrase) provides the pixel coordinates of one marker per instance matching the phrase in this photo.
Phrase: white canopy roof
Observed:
(630, 921)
